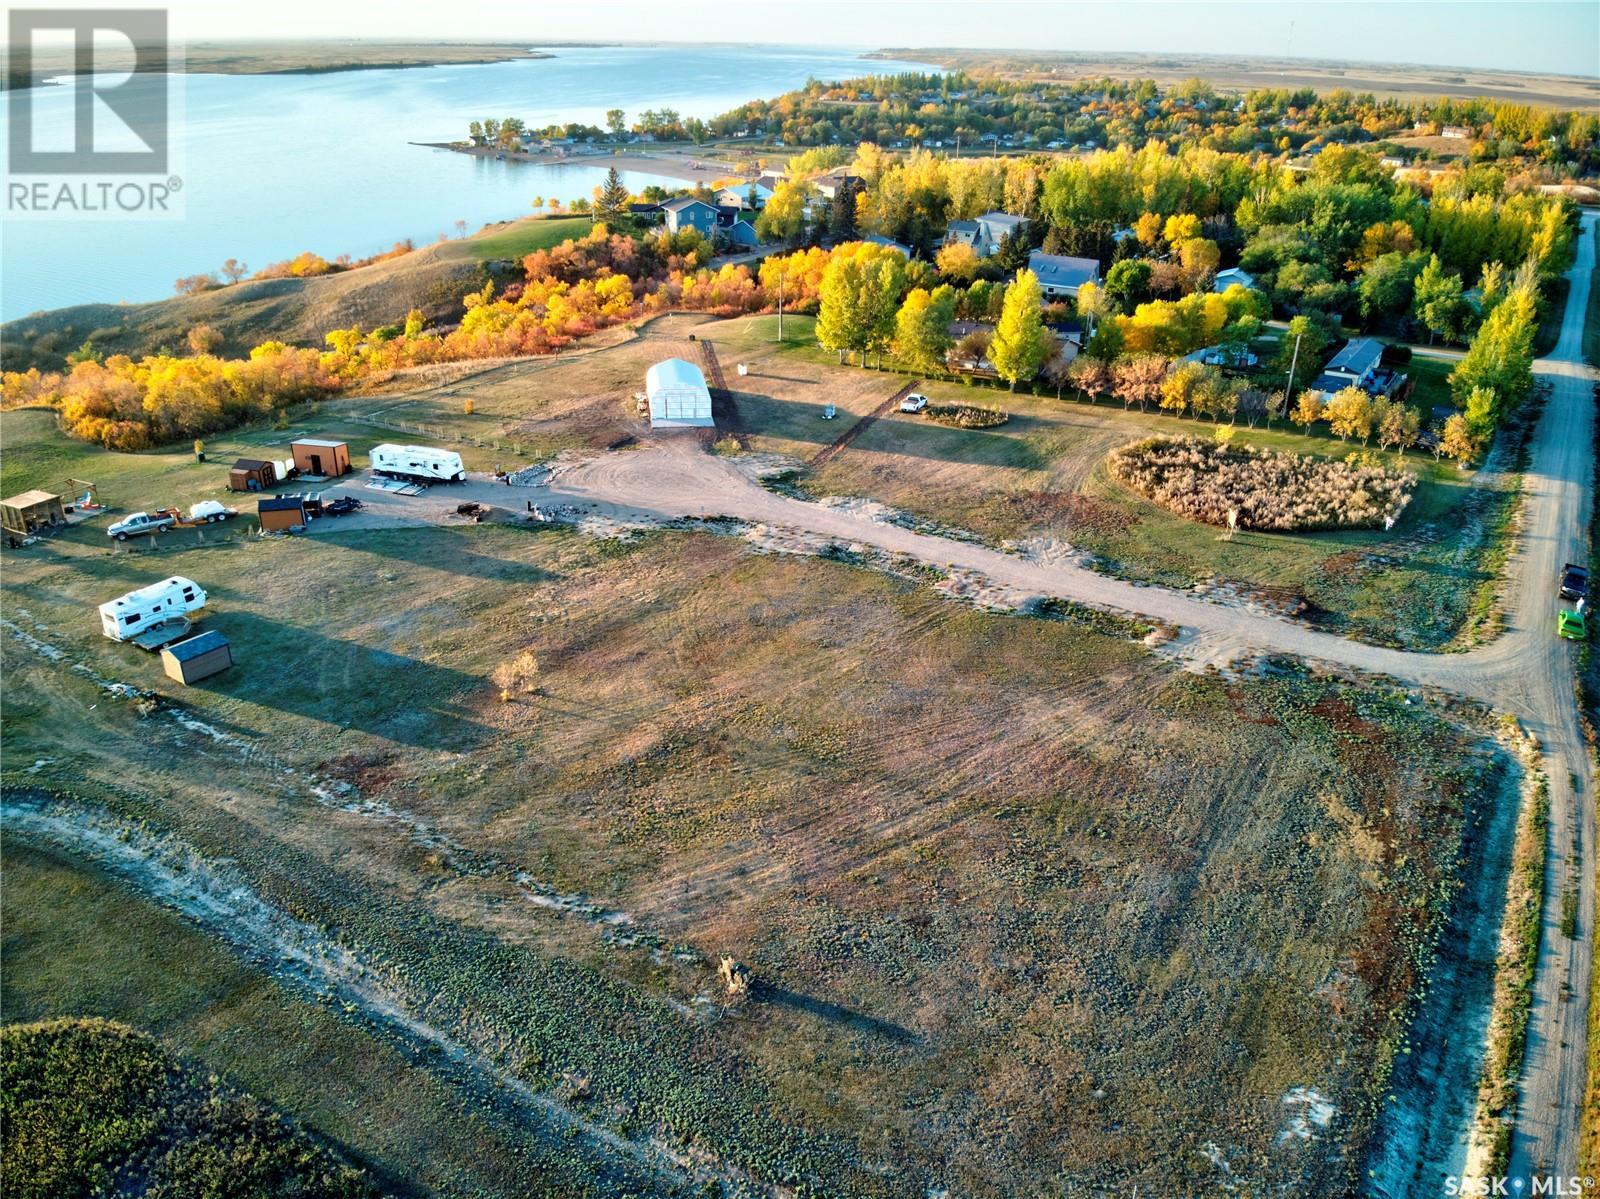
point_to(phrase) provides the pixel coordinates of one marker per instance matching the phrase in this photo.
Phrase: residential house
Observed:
(1226, 279)
(986, 233)
(830, 185)
(876, 240)
(745, 195)
(686, 212)
(1060, 276)
(1358, 364)
(1459, 133)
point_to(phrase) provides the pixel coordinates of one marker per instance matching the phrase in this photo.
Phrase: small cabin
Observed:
(195, 658)
(282, 513)
(25, 514)
(252, 474)
(314, 456)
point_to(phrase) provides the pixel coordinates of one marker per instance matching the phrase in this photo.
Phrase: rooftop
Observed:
(29, 498)
(1359, 355)
(193, 647)
(1060, 270)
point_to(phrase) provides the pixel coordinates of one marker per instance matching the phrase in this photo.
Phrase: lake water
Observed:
(277, 164)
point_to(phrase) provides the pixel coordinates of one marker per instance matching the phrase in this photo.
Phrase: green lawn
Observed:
(524, 236)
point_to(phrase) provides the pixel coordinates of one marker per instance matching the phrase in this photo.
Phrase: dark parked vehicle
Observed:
(340, 506)
(1574, 582)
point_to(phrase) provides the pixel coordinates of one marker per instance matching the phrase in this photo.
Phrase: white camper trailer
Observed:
(418, 462)
(125, 618)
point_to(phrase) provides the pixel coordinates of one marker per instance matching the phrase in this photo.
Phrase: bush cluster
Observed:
(1270, 490)
(965, 416)
(91, 1107)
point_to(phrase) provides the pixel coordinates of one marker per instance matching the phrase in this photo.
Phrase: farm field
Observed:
(1014, 928)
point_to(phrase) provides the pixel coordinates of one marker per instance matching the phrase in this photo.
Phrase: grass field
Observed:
(96, 1107)
(522, 237)
(1040, 479)
(78, 943)
(1016, 928)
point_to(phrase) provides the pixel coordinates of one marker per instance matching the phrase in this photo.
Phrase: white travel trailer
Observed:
(141, 610)
(419, 462)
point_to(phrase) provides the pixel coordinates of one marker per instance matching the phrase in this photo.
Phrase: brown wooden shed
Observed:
(280, 512)
(23, 515)
(252, 474)
(314, 456)
(196, 658)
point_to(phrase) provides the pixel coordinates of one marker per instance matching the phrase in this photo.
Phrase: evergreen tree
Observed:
(611, 198)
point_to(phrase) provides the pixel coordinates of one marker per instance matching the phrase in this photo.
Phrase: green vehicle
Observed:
(1570, 624)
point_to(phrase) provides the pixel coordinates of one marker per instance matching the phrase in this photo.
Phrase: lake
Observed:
(277, 164)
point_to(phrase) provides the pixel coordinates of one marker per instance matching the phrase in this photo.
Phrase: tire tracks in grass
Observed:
(221, 902)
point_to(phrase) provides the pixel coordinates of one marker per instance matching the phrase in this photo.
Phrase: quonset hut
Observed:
(679, 398)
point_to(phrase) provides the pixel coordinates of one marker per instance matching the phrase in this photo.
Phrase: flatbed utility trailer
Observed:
(158, 637)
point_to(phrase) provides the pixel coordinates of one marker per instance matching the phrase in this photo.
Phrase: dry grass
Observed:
(1261, 489)
(982, 861)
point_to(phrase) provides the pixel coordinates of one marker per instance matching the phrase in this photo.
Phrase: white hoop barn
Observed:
(678, 395)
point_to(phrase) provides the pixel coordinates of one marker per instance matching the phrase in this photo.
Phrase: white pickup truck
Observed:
(141, 523)
(204, 513)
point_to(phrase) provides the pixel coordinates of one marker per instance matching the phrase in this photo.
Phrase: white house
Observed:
(679, 397)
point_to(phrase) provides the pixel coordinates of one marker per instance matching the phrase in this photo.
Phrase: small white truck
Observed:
(127, 617)
(418, 464)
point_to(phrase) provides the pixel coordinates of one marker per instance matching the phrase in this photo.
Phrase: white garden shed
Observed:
(678, 395)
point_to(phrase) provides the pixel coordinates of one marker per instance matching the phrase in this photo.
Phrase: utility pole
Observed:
(1294, 361)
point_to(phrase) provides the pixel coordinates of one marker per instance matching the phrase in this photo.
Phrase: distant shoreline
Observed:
(686, 166)
(301, 58)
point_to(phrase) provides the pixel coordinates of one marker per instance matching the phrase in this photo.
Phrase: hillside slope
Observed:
(433, 279)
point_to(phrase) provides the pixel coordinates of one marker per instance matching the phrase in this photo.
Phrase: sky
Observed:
(1523, 35)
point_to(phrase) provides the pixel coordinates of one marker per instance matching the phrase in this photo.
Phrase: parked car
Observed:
(141, 523)
(340, 506)
(829, 412)
(1571, 625)
(915, 402)
(1574, 582)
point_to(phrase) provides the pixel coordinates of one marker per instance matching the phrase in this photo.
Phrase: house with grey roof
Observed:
(985, 233)
(686, 212)
(877, 240)
(1358, 364)
(1060, 276)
